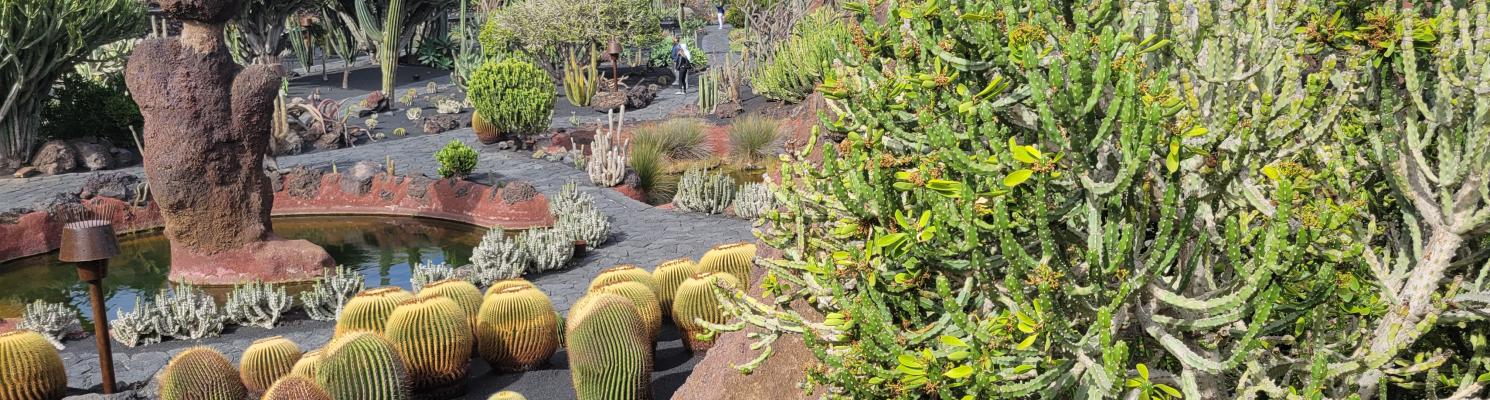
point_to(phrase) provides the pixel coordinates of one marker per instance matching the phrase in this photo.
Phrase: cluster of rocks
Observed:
(634, 97)
(62, 156)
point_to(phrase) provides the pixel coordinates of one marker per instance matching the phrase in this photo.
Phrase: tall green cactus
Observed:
(33, 369)
(734, 258)
(435, 340)
(265, 361)
(388, 52)
(293, 387)
(369, 310)
(644, 298)
(465, 295)
(708, 91)
(200, 373)
(669, 275)
(513, 95)
(581, 80)
(609, 355)
(363, 365)
(517, 329)
(695, 307)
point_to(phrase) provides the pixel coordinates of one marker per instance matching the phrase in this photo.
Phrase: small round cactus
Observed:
(293, 387)
(734, 258)
(643, 298)
(516, 329)
(434, 338)
(624, 273)
(32, 368)
(668, 276)
(501, 285)
(200, 373)
(507, 395)
(695, 300)
(609, 355)
(463, 293)
(369, 310)
(306, 366)
(363, 365)
(266, 360)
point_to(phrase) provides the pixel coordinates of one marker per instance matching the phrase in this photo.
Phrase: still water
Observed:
(381, 248)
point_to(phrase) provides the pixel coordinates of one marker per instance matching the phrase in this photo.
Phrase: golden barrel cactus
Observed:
(369, 310)
(463, 293)
(643, 298)
(734, 258)
(695, 300)
(624, 273)
(434, 338)
(517, 329)
(609, 355)
(30, 368)
(501, 285)
(294, 387)
(267, 360)
(306, 366)
(668, 275)
(200, 373)
(363, 365)
(507, 395)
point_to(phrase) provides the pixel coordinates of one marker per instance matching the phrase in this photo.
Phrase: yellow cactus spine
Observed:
(668, 276)
(624, 273)
(200, 373)
(516, 329)
(369, 310)
(294, 387)
(501, 285)
(434, 338)
(609, 356)
(734, 258)
(465, 295)
(695, 301)
(645, 301)
(363, 365)
(306, 366)
(507, 395)
(267, 360)
(32, 369)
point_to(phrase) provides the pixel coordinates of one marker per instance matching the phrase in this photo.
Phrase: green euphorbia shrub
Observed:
(514, 95)
(457, 160)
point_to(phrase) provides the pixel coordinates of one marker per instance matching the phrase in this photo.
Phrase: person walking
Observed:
(682, 62)
(719, 14)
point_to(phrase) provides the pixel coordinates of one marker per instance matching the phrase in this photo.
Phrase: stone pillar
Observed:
(207, 128)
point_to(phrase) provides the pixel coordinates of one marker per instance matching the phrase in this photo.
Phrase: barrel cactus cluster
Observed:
(669, 275)
(733, 258)
(696, 308)
(363, 365)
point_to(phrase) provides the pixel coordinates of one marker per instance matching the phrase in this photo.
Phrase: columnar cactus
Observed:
(434, 338)
(669, 275)
(581, 80)
(200, 373)
(704, 191)
(514, 95)
(257, 304)
(363, 365)
(324, 301)
(54, 321)
(609, 354)
(307, 364)
(734, 258)
(753, 201)
(463, 293)
(267, 360)
(696, 305)
(643, 298)
(607, 165)
(369, 310)
(33, 369)
(296, 388)
(517, 329)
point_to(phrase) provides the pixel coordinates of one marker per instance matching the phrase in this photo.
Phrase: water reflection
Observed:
(381, 248)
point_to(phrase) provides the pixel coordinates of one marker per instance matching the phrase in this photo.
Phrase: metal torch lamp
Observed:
(90, 244)
(614, 50)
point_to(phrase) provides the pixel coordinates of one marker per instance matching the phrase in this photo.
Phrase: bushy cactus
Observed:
(803, 61)
(296, 388)
(669, 275)
(424, 273)
(187, 312)
(363, 365)
(267, 360)
(369, 310)
(753, 201)
(643, 298)
(33, 369)
(136, 327)
(547, 249)
(610, 356)
(581, 80)
(703, 191)
(516, 328)
(324, 300)
(513, 95)
(578, 217)
(498, 257)
(695, 307)
(54, 321)
(463, 293)
(434, 338)
(200, 373)
(734, 258)
(307, 364)
(608, 153)
(257, 304)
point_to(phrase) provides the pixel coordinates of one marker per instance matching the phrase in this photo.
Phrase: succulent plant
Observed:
(498, 257)
(607, 164)
(570, 199)
(325, 300)
(32, 368)
(257, 304)
(695, 302)
(704, 191)
(514, 95)
(623, 273)
(138, 326)
(516, 328)
(267, 360)
(548, 249)
(363, 365)
(753, 201)
(507, 395)
(414, 114)
(588, 224)
(424, 273)
(434, 338)
(54, 321)
(187, 312)
(369, 310)
(307, 364)
(581, 80)
(463, 293)
(733, 258)
(498, 286)
(669, 275)
(642, 297)
(294, 387)
(200, 373)
(610, 356)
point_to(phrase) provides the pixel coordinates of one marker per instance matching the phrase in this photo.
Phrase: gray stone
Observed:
(55, 157)
(117, 185)
(358, 180)
(94, 156)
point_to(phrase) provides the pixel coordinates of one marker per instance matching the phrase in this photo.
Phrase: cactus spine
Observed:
(369, 310)
(463, 293)
(695, 302)
(363, 365)
(643, 298)
(669, 275)
(200, 373)
(434, 338)
(307, 365)
(581, 81)
(516, 329)
(609, 355)
(734, 258)
(267, 360)
(32, 368)
(293, 387)
(498, 286)
(624, 273)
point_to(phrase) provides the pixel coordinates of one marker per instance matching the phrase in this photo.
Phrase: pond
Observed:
(381, 248)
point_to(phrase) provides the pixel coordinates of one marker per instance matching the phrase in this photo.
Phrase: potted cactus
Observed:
(512, 97)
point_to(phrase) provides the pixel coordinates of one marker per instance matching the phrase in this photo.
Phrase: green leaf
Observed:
(946, 188)
(1196, 131)
(952, 341)
(1021, 153)
(1017, 177)
(1172, 162)
(1143, 371)
(958, 355)
(1170, 390)
(907, 360)
(1271, 172)
(959, 372)
(1027, 342)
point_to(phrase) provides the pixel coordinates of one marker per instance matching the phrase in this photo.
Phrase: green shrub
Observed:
(85, 107)
(457, 160)
(650, 164)
(799, 64)
(681, 138)
(754, 138)
(513, 95)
